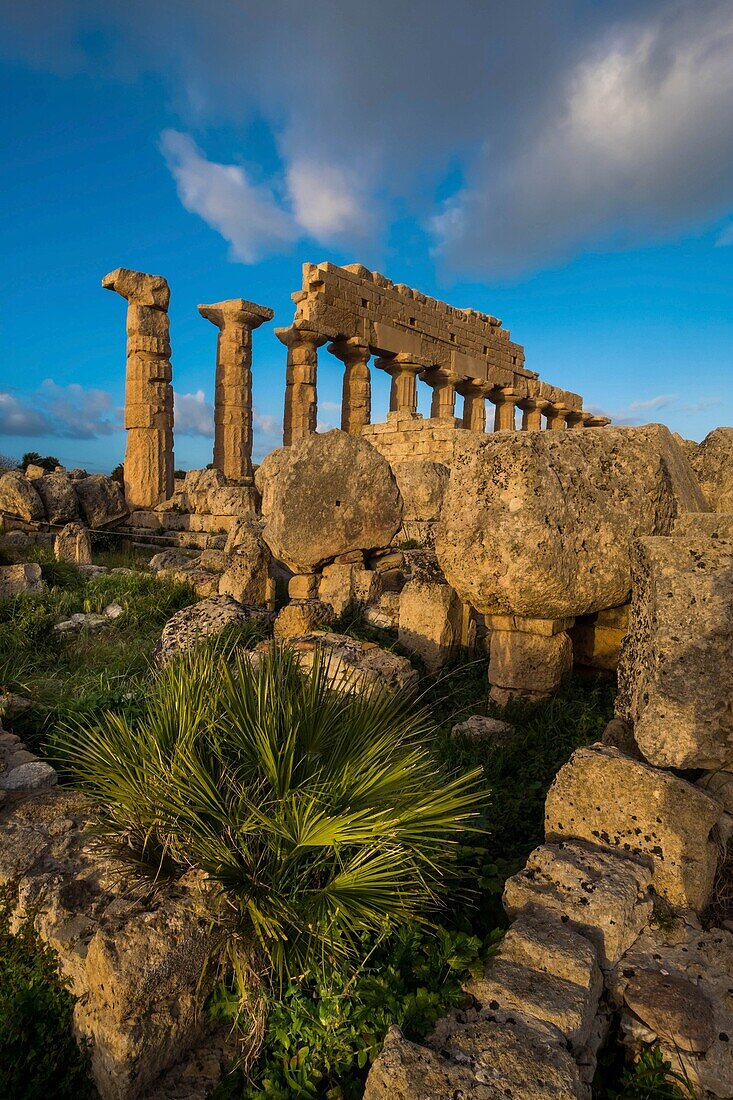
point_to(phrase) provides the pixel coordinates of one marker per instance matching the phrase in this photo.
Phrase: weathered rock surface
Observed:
(15, 579)
(247, 577)
(712, 461)
(18, 497)
(300, 617)
(430, 622)
(540, 523)
(422, 485)
(602, 895)
(676, 665)
(354, 665)
(492, 730)
(134, 960)
(101, 499)
(334, 495)
(58, 496)
(708, 525)
(546, 970)
(673, 987)
(205, 619)
(73, 545)
(348, 584)
(533, 665)
(199, 486)
(267, 474)
(174, 558)
(605, 798)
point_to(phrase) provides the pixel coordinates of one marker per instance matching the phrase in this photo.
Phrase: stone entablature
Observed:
(414, 337)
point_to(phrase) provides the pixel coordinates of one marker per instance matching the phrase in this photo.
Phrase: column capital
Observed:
(236, 311)
(139, 288)
(440, 375)
(592, 421)
(351, 350)
(298, 334)
(533, 404)
(575, 418)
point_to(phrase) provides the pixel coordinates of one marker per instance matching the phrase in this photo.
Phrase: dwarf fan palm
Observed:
(320, 816)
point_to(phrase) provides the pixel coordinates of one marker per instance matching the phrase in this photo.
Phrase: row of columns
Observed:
(301, 401)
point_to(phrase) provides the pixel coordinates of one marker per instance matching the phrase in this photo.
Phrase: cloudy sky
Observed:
(566, 165)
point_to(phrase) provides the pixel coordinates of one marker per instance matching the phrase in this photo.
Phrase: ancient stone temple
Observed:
(148, 390)
(235, 319)
(415, 339)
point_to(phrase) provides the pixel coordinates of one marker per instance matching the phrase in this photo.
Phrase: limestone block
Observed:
(205, 619)
(267, 475)
(302, 617)
(174, 558)
(101, 499)
(336, 587)
(489, 730)
(16, 579)
(56, 490)
(33, 472)
(430, 622)
(247, 576)
(200, 486)
(605, 798)
(709, 525)
(203, 581)
(545, 970)
(676, 665)
(422, 485)
(353, 665)
(73, 544)
(303, 586)
(603, 895)
(215, 561)
(545, 519)
(385, 613)
(528, 664)
(712, 461)
(673, 988)
(232, 500)
(335, 494)
(18, 497)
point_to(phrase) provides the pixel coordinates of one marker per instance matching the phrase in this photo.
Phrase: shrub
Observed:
(321, 817)
(33, 458)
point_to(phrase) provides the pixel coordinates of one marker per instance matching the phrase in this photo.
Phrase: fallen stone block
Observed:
(530, 665)
(712, 461)
(73, 545)
(301, 617)
(430, 622)
(16, 579)
(101, 499)
(352, 665)
(18, 497)
(59, 497)
(676, 666)
(206, 619)
(603, 895)
(606, 798)
(491, 730)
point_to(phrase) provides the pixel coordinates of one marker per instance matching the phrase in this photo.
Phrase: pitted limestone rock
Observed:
(335, 494)
(353, 665)
(430, 622)
(676, 665)
(673, 988)
(15, 579)
(267, 475)
(101, 499)
(603, 895)
(18, 497)
(712, 461)
(247, 576)
(540, 523)
(73, 545)
(603, 797)
(422, 485)
(59, 498)
(205, 619)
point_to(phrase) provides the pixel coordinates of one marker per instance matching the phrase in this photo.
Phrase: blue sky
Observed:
(567, 166)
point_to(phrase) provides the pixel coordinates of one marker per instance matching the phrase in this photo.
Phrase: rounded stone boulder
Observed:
(712, 461)
(18, 497)
(540, 524)
(334, 495)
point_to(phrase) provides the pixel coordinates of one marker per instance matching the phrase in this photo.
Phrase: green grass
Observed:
(39, 1058)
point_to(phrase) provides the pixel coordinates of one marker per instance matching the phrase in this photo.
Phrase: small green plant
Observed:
(652, 1078)
(320, 817)
(38, 1055)
(33, 458)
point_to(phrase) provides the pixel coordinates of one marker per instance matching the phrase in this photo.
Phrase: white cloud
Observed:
(246, 214)
(69, 412)
(327, 204)
(193, 414)
(661, 401)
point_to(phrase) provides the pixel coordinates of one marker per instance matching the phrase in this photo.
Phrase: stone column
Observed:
(443, 383)
(574, 419)
(556, 416)
(532, 409)
(505, 400)
(528, 657)
(148, 391)
(235, 319)
(403, 369)
(301, 398)
(356, 401)
(474, 404)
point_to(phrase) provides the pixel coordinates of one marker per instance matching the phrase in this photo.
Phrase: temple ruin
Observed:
(361, 317)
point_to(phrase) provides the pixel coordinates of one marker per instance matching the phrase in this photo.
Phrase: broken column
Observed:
(356, 401)
(443, 383)
(301, 398)
(403, 369)
(528, 657)
(235, 318)
(148, 390)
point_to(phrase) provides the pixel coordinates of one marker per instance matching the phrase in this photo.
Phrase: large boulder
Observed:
(203, 620)
(102, 500)
(267, 474)
(199, 486)
(712, 461)
(539, 524)
(676, 666)
(59, 499)
(422, 485)
(335, 494)
(603, 797)
(18, 497)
